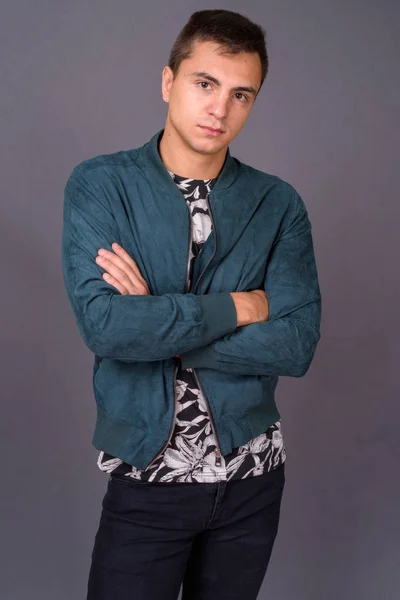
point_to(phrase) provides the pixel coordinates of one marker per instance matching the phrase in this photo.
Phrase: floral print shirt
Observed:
(192, 454)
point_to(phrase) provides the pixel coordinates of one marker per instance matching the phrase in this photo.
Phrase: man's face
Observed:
(196, 102)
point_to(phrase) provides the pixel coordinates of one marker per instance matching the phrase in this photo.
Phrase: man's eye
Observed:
(243, 96)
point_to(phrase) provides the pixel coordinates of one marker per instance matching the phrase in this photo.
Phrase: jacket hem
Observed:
(116, 438)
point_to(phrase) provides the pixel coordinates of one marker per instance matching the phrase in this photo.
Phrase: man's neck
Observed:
(181, 160)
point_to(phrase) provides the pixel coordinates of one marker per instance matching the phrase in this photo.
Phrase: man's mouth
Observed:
(211, 130)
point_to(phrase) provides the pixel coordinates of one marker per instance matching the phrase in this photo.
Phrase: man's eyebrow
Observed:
(239, 88)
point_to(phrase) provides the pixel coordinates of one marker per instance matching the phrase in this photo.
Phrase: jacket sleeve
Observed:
(127, 327)
(286, 343)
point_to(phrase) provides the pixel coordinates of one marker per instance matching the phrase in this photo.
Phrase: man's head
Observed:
(216, 68)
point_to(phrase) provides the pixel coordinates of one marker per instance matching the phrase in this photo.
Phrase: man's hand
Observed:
(122, 271)
(251, 307)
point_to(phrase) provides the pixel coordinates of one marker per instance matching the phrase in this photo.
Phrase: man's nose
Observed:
(219, 107)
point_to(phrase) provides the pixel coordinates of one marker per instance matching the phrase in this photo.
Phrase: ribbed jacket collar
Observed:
(158, 174)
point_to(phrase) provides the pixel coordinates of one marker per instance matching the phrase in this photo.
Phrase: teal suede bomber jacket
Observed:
(261, 239)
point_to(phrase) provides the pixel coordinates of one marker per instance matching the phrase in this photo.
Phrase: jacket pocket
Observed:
(130, 392)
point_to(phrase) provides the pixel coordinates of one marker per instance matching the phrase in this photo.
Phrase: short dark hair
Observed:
(234, 32)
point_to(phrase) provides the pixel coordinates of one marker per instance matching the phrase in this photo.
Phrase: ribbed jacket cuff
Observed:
(219, 315)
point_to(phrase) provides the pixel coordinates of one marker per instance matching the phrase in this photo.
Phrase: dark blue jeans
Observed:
(214, 538)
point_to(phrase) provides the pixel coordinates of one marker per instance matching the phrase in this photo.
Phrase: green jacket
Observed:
(261, 239)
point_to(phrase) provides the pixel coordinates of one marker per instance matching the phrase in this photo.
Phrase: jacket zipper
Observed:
(217, 451)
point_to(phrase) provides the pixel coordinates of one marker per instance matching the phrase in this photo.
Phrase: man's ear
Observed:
(166, 82)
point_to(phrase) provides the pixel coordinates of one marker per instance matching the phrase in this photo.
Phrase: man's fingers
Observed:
(124, 279)
(109, 279)
(121, 252)
(118, 269)
(115, 269)
(124, 262)
(112, 258)
(130, 284)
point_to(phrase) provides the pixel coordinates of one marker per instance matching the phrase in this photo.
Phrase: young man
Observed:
(193, 280)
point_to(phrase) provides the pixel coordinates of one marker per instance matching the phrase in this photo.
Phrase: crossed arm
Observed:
(121, 271)
(119, 318)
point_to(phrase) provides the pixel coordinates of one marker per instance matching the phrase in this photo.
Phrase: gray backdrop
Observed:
(82, 78)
